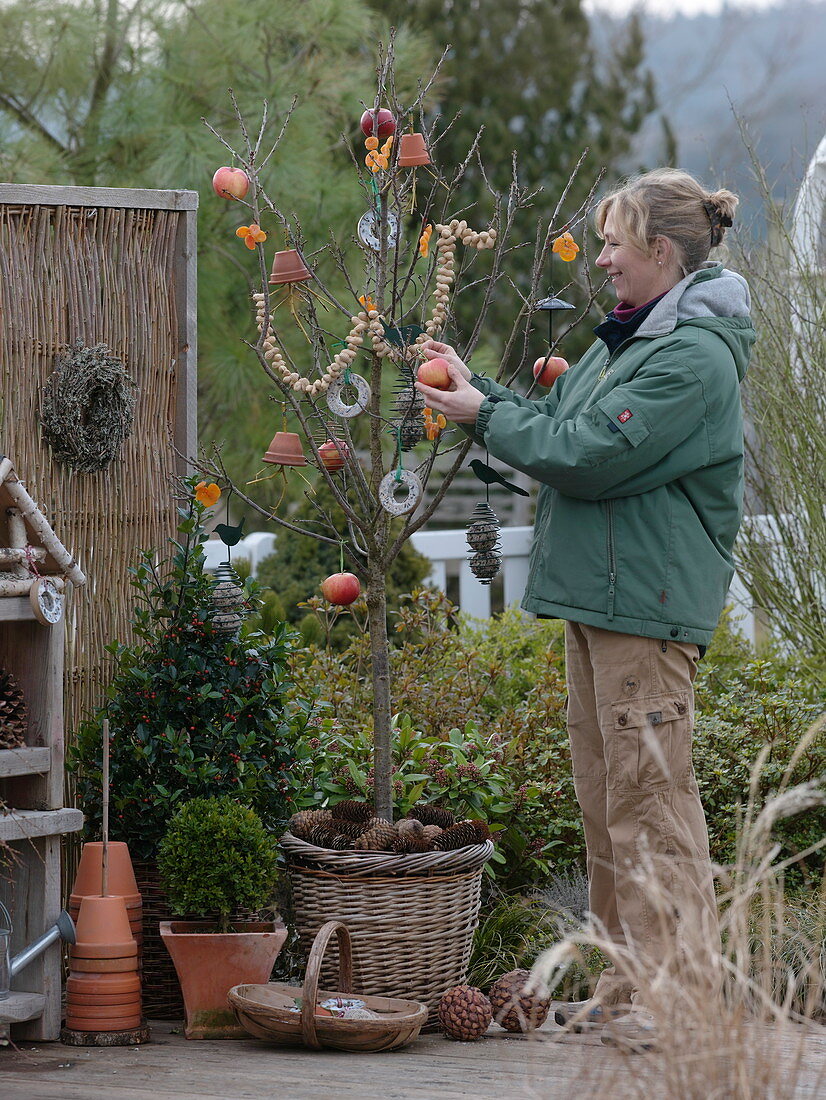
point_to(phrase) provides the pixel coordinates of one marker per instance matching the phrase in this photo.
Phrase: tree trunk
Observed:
(380, 667)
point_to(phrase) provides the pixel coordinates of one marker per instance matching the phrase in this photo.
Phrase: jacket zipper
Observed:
(612, 558)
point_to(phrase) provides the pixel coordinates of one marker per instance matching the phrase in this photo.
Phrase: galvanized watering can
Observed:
(62, 929)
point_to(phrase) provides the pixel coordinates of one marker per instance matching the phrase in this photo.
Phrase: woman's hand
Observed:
(460, 403)
(434, 350)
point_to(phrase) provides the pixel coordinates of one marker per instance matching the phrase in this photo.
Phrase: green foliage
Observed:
(192, 711)
(216, 857)
(501, 683)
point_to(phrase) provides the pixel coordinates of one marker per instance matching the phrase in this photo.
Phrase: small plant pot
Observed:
(413, 151)
(210, 963)
(103, 922)
(109, 1000)
(103, 1023)
(128, 950)
(286, 450)
(121, 876)
(105, 966)
(288, 267)
(103, 984)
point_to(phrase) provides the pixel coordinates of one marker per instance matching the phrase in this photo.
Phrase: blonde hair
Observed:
(670, 203)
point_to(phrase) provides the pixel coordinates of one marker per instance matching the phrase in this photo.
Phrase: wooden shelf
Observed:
(16, 609)
(33, 824)
(27, 760)
(19, 1007)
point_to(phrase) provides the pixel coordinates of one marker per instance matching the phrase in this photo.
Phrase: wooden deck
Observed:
(551, 1066)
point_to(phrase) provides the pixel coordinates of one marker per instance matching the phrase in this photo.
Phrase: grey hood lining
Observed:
(710, 291)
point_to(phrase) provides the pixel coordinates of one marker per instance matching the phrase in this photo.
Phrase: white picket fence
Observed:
(448, 555)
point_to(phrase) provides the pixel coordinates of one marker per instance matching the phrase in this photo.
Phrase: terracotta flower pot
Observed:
(103, 1023)
(75, 1000)
(105, 984)
(101, 1011)
(413, 151)
(209, 964)
(128, 950)
(286, 450)
(105, 966)
(288, 267)
(89, 871)
(104, 922)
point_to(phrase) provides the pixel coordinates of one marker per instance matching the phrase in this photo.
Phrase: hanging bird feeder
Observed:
(288, 267)
(413, 151)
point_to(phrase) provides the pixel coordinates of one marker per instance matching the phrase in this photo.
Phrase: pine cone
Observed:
(465, 1013)
(13, 717)
(301, 823)
(375, 822)
(432, 815)
(403, 844)
(322, 836)
(410, 825)
(457, 836)
(481, 827)
(351, 829)
(380, 838)
(513, 1008)
(351, 810)
(341, 843)
(431, 833)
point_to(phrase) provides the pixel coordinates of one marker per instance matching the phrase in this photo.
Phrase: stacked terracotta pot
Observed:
(103, 991)
(121, 882)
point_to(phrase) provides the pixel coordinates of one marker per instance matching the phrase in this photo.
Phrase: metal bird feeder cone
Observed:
(288, 267)
(413, 151)
(286, 450)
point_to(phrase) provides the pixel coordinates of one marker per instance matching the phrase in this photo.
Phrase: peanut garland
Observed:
(368, 322)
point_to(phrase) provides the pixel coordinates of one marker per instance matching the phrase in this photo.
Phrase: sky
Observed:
(669, 7)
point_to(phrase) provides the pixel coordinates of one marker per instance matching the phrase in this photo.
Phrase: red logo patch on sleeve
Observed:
(625, 416)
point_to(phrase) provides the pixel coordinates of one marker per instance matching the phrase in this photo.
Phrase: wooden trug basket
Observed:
(264, 1010)
(411, 917)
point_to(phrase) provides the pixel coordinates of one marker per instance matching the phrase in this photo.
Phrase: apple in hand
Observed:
(341, 588)
(230, 183)
(332, 454)
(548, 369)
(435, 373)
(385, 123)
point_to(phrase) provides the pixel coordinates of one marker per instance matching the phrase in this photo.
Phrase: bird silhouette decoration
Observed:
(229, 536)
(489, 476)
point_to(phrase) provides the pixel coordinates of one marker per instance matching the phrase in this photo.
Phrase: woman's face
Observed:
(635, 277)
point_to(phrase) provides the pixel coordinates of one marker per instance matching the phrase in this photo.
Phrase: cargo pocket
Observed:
(650, 744)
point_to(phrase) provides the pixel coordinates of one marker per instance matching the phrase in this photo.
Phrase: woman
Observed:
(638, 449)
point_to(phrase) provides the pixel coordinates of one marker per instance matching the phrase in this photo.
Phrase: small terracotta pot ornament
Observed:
(285, 450)
(413, 151)
(390, 485)
(335, 401)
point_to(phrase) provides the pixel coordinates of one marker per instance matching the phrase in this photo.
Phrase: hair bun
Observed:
(720, 207)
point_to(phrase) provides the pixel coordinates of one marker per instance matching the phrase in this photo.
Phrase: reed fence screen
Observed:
(117, 267)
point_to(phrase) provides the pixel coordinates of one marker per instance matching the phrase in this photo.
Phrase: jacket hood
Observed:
(714, 298)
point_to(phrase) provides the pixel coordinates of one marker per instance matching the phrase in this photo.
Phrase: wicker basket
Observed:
(411, 917)
(162, 997)
(265, 1010)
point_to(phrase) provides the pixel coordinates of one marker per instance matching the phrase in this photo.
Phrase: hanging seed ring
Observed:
(387, 492)
(335, 402)
(87, 407)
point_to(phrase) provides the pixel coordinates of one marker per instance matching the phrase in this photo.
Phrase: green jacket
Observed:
(640, 462)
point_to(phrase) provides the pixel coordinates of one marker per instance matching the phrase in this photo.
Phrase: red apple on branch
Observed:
(384, 121)
(547, 370)
(230, 183)
(332, 454)
(341, 588)
(435, 373)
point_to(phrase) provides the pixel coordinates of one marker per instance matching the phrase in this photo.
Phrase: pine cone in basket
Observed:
(341, 843)
(351, 810)
(430, 834)
(513, 1008)
(457, 836)
(322, 836)
(351, 829)
(465, 1013)
(482, 831)
(301, 823)
(411, 842)
(410, 825)
(379, 838)
(432, 815)
(13, 718)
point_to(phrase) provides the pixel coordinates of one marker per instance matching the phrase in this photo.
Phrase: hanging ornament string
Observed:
(368, 322)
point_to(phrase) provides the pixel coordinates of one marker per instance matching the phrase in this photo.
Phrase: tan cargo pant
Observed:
(630, 720)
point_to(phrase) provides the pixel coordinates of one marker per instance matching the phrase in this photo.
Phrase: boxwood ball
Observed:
(514, 1009)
